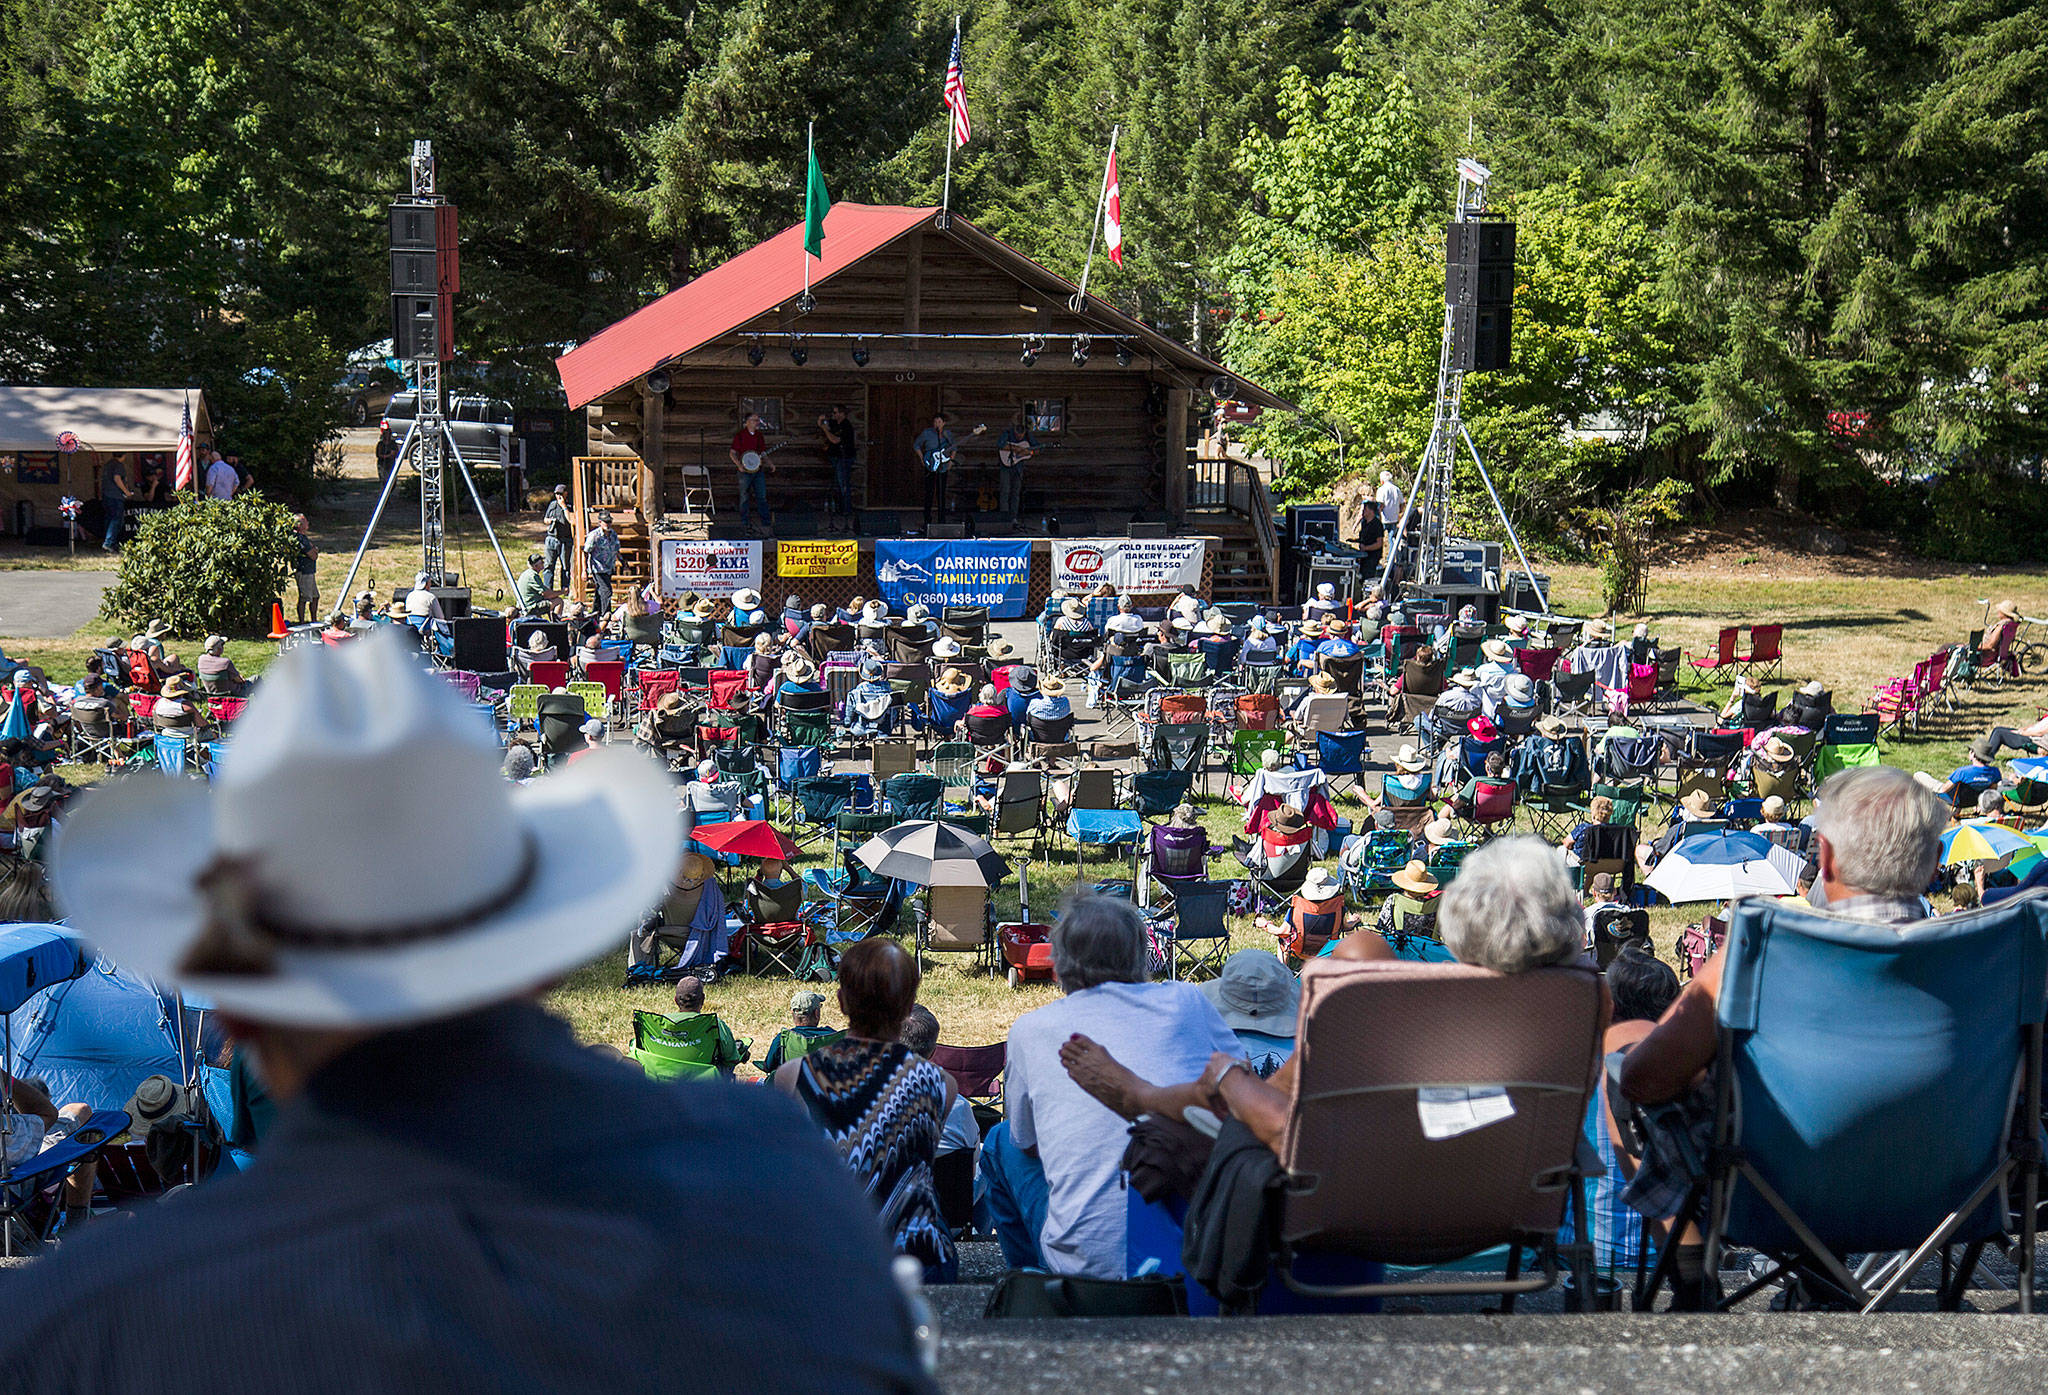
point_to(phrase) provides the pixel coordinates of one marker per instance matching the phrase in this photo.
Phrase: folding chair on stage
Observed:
(1847, 1047)
(1374, 1170)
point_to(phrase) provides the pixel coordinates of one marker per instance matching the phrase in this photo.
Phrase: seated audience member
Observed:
(1126, 621)
(1467, 793)
(591, 651)
(989, 704)
(795, 619)
(765, 663)
(1809, 707)
(1073, 618)
(1259, 999)
(668, 729)
(1315, 916)
(868, 707)
(746, 609)
(690, 1005)
(1050, 704)
(771, 896)
(1319, 685)
(799, 675)
(519, 763)
(882, 1105)
(38, 1123)
(1601, 895)
(217, 672)
(690, 920)
(1511, 909)
(1877, 837)
(709, 792)
(1986, 749)
(1055, 1189)
(177, 706)
(1301, 654)
(1599, 810)
(804, 1032)
(1415, 882)
(1260, 648)
(1023, 692)
(921, 1034)
(1323, 604)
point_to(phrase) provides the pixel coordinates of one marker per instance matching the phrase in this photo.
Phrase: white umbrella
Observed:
(1721, 866)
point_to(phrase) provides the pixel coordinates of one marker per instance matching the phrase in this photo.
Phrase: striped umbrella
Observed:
(927, 853)
(1723, 865)
(1981, 842)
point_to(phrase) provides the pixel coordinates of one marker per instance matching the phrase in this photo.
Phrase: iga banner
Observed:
(1143, 566)
(713, 569)
(823, 557)
(995, 572)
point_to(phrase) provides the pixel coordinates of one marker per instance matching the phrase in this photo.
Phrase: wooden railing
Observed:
(598, 482)
(1233, 487)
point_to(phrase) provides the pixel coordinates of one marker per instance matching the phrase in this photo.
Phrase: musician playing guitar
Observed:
(750, 457)
(935, 450)
(1015, 446)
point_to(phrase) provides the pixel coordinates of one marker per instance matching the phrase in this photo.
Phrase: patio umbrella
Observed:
(1720, 866)
(2032, 768)
(745, 838)
(15, 727)
(927, 853)
(1981, 842)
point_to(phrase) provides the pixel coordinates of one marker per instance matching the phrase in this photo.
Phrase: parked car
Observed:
(368, 394)
(480, 425)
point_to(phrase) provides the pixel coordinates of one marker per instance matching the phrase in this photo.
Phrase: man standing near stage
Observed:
(1015, 446)
(934, 450)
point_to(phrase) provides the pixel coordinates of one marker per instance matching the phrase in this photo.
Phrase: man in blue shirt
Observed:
(1015, 446)
(934, 450)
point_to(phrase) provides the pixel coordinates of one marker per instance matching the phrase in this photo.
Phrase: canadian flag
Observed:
(1113, 213)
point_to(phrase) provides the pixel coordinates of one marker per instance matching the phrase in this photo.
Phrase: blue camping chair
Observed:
(1342, 753)
(1200, 940)
(171, 752)
(942, 714)
(1847, 1046)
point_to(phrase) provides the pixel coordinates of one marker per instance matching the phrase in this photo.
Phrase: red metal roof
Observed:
(726, 297)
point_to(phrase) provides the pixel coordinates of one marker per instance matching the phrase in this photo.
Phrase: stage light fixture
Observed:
(1030, 354)
(755, 353)
(1123, 353)
(860, 353)
(797, 352)
(657, 382)
(1082, 344)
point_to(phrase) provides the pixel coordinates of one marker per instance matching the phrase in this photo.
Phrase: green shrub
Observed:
(205, 566)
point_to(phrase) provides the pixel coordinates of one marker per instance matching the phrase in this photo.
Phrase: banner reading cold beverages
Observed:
(1141, 566)
(995, 572)
(713, 568)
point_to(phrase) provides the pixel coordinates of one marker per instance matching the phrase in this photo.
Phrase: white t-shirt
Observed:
(961, 1129)
(1165, 1032)
(221, 480)
(1389, 496)
(422, 604)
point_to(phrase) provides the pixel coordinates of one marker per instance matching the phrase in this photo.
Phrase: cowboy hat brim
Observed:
(605, 836)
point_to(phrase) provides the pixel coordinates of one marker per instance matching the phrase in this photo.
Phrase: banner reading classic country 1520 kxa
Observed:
(995, 572)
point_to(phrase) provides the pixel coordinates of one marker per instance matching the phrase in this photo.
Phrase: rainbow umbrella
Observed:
(2026, 857)
(1981, 842)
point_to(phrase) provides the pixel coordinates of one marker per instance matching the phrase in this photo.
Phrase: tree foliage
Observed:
(205, 566)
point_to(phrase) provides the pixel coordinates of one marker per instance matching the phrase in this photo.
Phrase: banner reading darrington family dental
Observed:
(1141, 566)
(995, 572)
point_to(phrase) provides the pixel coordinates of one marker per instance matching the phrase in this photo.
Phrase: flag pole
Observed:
(810, 159)
(1095, 228)
(946, 198)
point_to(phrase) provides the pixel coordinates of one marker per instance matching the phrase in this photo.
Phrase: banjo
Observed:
(752, 461)
(941, 460)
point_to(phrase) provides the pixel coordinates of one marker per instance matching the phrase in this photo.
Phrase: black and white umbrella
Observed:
(927, 853)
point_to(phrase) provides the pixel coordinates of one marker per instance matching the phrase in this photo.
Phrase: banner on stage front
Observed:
(713, 568)
(820, 557)
(1138, 566)
(995, 572)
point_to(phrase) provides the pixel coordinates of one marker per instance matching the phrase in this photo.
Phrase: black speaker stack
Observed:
(1479, 286)
(426, 273)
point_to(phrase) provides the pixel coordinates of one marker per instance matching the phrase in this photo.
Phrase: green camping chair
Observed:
(1629, 801)
(669, 1048)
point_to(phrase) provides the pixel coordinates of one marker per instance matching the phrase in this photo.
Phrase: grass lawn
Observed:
(1848, 623)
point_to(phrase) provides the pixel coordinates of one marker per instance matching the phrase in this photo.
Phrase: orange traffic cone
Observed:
(277, 626)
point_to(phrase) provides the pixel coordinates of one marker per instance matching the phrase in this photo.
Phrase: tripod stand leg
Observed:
(383, 498)
(1501, 509)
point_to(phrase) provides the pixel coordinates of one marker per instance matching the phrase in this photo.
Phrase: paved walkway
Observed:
(40, 603)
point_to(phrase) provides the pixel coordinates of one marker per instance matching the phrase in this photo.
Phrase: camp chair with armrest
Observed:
(953, 763)
(1848, 740)
(1766, 656)
(1200, 941)
(1411, 812)
(31, 1194)
(1363, 1176)
(1181, 746)
(1370, 871)
(549, 673)
(1723, 656)
(668, 1048)
(990, 732)
(888, 758)
(1176, 857)
(826, 640)
(1323, 712)
(1846, 1046)
(1157, 793)
(816, 802)
(956, 920)
(1341, 755)
(1020, 805)
(1572, 694)
(1609, 848)
(775, 933)
(913, 795)
(976, 1070)
(1247, 752)
(1493, 807)
(851, 902)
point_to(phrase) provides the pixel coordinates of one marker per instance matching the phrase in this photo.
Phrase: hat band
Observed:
(238, 938)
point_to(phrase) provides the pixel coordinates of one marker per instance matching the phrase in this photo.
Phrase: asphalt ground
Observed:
(47, 603)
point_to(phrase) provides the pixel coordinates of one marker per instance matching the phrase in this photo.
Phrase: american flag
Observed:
(956, 96)
(181, 474)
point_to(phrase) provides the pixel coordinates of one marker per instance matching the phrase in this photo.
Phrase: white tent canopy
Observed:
(108, 421)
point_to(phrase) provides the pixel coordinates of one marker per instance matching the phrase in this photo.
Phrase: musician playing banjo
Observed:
(750, 457)
(934, 448)
(1015, 446)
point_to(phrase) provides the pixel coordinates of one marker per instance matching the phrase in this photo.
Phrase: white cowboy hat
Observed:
(1073, 610)
(1517, 624)
(1001, 649)
(1498, 651)
(1408, 760)
(1519, 690)
(1319, 885)
(1464, 678)
(798, 668)
(1812, 689)
(917, 614)
(2009, 609)
(1439, 830)
(746, 599)
(350, 757)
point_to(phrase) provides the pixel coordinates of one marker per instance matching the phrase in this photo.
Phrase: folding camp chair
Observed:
(610, 674)
(1324, 712)
(967, 624)
(1182, 746)
(1539, 664)
(1370, 872)
(953, 763)
(976, 1070)
(1555, 808)
(1278, 873)
(1430, 1186)
(1847, 740)
(522, 704)
(1341, 755)
(890, 758)
(1411, 811)
(1614, 927)
(1157, 793)
(956, 920)
(1766, 658)
(851, 902)
(596, 700)
(943, 713)
(816, 802)
(1200, 939)
(672, 1049)
(1912, 1058)
(1247, 750)
(1020, 805)
(550, 674)
(1609, 848)
(172, 752)
(1630, 799)
(1493, 807)
(1185, 670)
(777, 934)
(1571, 694)
(913, 795)
(1723, 657)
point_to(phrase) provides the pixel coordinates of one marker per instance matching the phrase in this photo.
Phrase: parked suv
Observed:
(480, 425)
(367, 394)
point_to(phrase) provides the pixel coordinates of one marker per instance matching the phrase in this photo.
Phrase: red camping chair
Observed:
(977, 1070)
(1538, 664)
(1493, 806)
(1766, 653)
(728, 690)
(611, 673)
(1724, 653)
(654, 684)
(549, 673)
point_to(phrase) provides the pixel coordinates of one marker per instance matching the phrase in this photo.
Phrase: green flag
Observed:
(817, 203)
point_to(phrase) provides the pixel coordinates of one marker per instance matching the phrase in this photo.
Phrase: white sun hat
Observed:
(359, 861)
